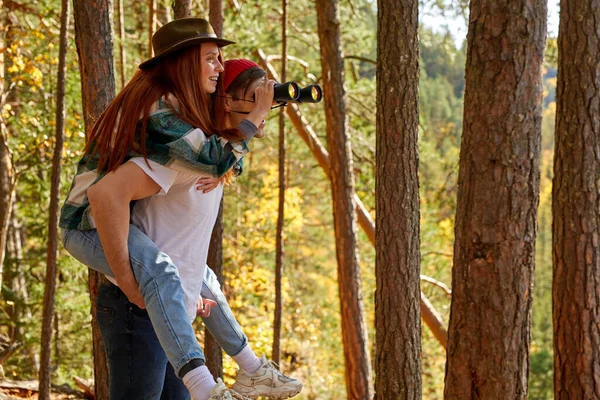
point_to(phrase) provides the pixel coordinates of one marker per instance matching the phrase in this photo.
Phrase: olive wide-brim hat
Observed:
(179, 34)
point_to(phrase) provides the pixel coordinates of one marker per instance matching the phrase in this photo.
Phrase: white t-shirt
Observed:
(180, 220)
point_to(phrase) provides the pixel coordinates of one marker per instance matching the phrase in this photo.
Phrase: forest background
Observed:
(311, 341)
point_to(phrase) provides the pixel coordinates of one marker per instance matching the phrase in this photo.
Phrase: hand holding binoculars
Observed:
(291, 92)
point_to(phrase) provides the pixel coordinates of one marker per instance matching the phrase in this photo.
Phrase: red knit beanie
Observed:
(235, 67)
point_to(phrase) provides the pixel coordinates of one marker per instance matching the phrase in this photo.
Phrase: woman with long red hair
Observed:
(157, 133)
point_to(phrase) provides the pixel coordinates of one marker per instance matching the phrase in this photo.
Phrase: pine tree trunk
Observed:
(151, 25)
(498, 194)
(181, 8)
(575, 194)
(95, 49)
(398, 296)
(212, 350)
(50, 282)
(215, 16)
(279, 243)
(354, 331)
(121, 29)
(7, 174)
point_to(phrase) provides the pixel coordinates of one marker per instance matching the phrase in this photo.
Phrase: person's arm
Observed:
(169, 136)
(109, 199)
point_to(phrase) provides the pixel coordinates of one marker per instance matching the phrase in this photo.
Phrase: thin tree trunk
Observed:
(50, 287)
(498, 195)
(214, 354)
(7, 173)
(575, 189)
(279, 251)
(430, 315)
(354, 329)
(95, 49)
(121, 27)
(151, 24)
(215, 16)
(397, 269)
(212, 350)
(181, 8)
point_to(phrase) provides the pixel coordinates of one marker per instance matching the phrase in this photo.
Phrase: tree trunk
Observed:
(214, 354)
(50, 286)
(95, 49)
(279, 251)
(215, 16)
(397, 267)
(576, 253)
(212, 350)
(354, 330)
(151, 24)
(121, 28)
(498, 194)
(181, 8)
(7, 173)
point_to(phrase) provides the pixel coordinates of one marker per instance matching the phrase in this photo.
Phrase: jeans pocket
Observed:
(106, 317)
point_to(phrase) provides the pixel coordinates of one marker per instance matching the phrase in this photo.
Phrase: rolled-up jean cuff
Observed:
(187, 359)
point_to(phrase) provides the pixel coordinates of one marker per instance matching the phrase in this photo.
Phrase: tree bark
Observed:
(397, 267)
(50, 283)
(151, 25)
(214, 354)
(95, 49)
(181, 8)
(279, 243)
(212, 350)
(576, 185)
(354, 330)
(215, 16)
(498, 195)
(121, 28)
(7, 173)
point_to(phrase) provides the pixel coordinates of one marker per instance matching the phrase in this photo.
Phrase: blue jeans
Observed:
(138, 366)
(160, 286)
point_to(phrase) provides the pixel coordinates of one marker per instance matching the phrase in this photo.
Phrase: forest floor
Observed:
(13, 390)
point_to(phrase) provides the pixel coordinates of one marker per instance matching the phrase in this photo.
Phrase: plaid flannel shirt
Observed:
(170, 142)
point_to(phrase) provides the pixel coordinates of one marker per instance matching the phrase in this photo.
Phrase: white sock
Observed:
(199, 382)
(247, 360)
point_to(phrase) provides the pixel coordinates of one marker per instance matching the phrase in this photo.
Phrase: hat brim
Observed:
(182, 45)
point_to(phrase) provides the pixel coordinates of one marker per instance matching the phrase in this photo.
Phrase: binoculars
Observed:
(291, 92)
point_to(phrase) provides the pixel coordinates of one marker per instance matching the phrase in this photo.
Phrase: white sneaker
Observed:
(267, 381)
(220, 392)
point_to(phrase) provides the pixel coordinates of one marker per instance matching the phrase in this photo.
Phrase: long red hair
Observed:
(114, 134)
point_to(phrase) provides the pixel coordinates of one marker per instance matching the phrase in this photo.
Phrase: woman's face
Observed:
(210, 67)
(244, 104)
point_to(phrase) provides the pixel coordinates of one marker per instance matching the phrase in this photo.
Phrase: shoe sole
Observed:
(274, 395)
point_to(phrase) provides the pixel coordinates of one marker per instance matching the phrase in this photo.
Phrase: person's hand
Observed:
(263, 99)
(205, 184)
(203, 307)
(132, 291)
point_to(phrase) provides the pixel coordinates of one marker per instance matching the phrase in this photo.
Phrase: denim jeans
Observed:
(160, 286)
(138, 366)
